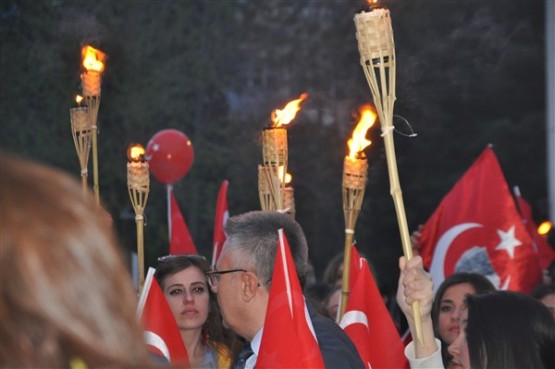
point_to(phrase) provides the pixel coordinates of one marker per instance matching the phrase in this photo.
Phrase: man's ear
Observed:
(249, 286)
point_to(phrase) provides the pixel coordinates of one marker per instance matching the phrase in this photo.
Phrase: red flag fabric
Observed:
(477, 228)
(181, 242)
(161, 333)
(367, 320)
(222, 214)
(541, 246)
(288, 339)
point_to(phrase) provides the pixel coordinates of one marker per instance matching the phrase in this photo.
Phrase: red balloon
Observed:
(170, 155)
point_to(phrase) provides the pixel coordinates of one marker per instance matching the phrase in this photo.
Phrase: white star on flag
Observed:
(508, 241)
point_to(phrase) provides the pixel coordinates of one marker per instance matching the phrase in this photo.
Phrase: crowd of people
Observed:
(67, 302)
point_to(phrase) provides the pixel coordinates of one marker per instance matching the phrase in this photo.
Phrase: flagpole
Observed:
(144, 292)
(169, 189)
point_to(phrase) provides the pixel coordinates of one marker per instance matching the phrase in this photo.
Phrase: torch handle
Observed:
(349, 235)
(96, 187)
(140, 251)
(84, 185)
(397, 195)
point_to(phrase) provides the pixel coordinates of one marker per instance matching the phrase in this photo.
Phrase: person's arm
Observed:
(415, 284)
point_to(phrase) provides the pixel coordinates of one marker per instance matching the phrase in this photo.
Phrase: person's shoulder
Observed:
(338, 351)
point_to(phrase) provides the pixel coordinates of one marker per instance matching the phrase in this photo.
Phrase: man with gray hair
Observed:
(242, 279)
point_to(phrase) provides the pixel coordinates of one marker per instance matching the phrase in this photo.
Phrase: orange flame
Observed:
(372, 3)
(289, 112)
(78, 99)
(358, 141)
(93, 59)
(136, 153)
(288, 177)
(545, 228)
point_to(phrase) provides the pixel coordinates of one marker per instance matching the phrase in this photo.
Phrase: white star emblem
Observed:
(508, 241)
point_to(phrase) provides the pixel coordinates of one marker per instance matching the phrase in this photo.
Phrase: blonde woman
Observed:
(66, 300)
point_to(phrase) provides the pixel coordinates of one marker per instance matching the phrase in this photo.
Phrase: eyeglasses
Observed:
(214, 277)
(168, 258)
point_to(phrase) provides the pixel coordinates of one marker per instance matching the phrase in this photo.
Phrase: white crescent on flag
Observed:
(354, 317)
(437, 269)
(155, 340)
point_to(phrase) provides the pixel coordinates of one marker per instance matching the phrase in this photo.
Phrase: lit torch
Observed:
(91, 80)
(138, 184)
(271, 175)
(355, 170)
(81, 132)
(289, 196)
(377, 58)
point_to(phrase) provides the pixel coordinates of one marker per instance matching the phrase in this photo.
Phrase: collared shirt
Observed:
(255, 347)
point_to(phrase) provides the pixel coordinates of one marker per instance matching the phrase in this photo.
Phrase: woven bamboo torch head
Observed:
(265, 189)
(274, 146)
(79, 117)
(94, 64)
(289, 196)
(375, 37)
(138, 178)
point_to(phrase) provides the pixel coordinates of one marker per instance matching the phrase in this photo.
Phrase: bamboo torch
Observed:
(138, 184)
(81, 132)
(355, 171)
(289, 196)
(91, 80)
(377, 58)
(272, 173)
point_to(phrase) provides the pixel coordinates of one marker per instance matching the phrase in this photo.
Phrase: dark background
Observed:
(469, 73)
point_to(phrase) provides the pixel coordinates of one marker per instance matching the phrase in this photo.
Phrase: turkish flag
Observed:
(161, 333)
(181, 242)
(222, 214)
(545, 252)
(288, 339)
(477, 228)
(368, 322)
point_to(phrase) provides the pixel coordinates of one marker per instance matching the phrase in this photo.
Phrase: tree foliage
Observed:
(469, 74)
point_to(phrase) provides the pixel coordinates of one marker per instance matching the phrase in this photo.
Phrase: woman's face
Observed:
(187, 294)
(451, 306)
(459, 348)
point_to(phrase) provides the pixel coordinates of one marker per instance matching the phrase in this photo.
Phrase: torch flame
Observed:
(288, 177)
(78, 99)
(289, 112)
(545, 228)
(358, 141)
(93, 59)
(136, 153)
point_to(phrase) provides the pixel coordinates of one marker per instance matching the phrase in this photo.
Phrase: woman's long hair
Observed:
(509, 329)
(66, 292)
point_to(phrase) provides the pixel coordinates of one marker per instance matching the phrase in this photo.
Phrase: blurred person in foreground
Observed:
(67, 300)
(242, 282)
